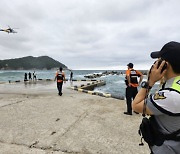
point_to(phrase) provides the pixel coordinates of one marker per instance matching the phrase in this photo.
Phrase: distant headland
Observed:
(30, 62)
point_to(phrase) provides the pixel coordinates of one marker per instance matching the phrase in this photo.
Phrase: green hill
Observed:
(27, 63)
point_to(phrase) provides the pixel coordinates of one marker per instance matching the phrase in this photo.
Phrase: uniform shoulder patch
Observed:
(159, 95)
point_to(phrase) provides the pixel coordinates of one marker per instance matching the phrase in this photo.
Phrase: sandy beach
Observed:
(35, 120)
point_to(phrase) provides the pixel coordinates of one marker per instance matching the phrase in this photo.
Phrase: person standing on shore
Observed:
(34, 75)
(132, 84)
(25, 77)
(30, 78)
(163, 105)
(60, 77)
(71, 76)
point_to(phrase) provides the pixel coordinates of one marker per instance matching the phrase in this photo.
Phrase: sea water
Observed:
(114, 83)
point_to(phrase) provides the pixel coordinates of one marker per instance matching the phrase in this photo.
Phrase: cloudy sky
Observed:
(89, 34)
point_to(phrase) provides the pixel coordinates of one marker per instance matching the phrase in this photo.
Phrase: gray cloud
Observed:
(89, 34)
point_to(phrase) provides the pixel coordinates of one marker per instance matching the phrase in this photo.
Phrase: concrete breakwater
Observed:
(89, 87)
(35, 120)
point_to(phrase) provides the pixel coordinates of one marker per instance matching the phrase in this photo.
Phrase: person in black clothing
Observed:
(25, 77)
(30, 78)
(71, 76)
(132, 84)
(60, 77)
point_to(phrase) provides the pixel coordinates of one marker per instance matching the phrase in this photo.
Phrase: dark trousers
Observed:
(131, 93)
(59, 87)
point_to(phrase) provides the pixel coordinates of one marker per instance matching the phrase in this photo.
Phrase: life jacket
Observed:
(60, 76)
(133, 76)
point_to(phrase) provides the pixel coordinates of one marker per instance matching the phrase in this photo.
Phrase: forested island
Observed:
(30, 62)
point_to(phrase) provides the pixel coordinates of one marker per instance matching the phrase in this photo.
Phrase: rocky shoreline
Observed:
(105, 73)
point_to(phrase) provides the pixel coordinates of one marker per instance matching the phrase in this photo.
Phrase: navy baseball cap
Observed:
(130, 65)
(169, 52)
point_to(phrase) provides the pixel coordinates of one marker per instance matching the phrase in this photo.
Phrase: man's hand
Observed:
(155, 74)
